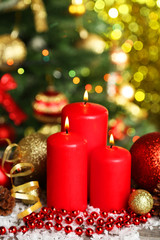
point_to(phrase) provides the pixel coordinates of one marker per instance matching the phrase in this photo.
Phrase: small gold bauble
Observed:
(140, 201)
(12, 52)
(34, 150)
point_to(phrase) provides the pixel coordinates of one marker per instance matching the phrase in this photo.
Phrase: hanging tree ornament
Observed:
(7, 82)
(77, 8)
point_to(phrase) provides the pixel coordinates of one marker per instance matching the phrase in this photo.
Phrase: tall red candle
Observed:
(89, 120)
(110, 178)
(67, 171)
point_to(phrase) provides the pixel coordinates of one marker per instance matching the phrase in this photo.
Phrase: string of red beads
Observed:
(100, 221)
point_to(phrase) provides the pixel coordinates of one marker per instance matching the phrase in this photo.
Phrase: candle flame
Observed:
(85, 98)
(111, 139)
(67, 123)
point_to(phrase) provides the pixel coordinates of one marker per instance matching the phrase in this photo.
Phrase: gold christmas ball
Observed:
(34, 150)
(140, 201)
(12, 52)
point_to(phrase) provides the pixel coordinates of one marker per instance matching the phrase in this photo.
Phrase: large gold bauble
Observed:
(12, 52)
(140, 201)
(34, 150)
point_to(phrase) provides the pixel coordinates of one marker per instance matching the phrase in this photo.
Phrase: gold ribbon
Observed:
(19, 170)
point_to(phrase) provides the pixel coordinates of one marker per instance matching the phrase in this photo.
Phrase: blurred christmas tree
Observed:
(99, 45)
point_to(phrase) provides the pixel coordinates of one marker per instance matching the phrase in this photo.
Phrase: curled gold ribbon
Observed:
(19, 170)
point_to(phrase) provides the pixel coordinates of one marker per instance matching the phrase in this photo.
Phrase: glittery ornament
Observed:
(12, 52)
(140, 201)
(146, 161)
(34, 150)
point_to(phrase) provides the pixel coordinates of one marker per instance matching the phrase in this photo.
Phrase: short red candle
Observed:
(110, 178)
(67, 171)
(89, 120)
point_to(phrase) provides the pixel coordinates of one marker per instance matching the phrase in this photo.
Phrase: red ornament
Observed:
(58, 218)
(85, 213)
(146, 161)
(127, 223)
(79, 220)
(39, 224)
(12, 229)
(148, 215)
(4, 179)
(90, 221)
(99, 230)
(120, 219)
(63, 212)
(79, 231)
(2, 230)
(50, 216)
(136, 221)
(100, 221)
(68, 229)
(31, 224)
(23, 229)
(6, 131)
(109, 226)
(58, 226)
(119, 225)
(74, 213)
(143, 219)
(89, 232)
(45, 210)
(110, 220)
(94, 215)
(48, 105)
(68, 220)
(7, 82)
(104, 214)
(48, 225)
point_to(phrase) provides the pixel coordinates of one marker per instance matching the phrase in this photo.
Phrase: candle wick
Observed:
(111, 146)
(66, 131)
(85, 102)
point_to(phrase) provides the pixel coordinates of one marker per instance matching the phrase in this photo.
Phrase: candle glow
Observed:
(111, 140)
(67, 124)
(85, 98)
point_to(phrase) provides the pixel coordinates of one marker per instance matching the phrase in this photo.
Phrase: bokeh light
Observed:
(76, 80)
(140, 95)
(127, 91)
(20, 71)
(45, 52)
(98, 89)
(10, 62)
(88, 87)
(113, 12)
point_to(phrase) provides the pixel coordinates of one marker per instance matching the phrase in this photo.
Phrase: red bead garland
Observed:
(99, 222)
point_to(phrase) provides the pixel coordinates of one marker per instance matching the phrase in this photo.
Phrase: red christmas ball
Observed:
(4, 180)
(68, 229)
(6, 131)
(13, 229)
(48, 225)
(146, 161)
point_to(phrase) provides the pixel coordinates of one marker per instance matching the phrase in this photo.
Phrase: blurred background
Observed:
(51, 51)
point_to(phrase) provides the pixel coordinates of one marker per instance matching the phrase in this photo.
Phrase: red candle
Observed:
(89, 120)
(67, 171)
(110, 178)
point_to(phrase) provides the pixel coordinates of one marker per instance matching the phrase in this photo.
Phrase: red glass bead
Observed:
(49, 216)
(44, 210)
(99, 230)
(119, 225)
(143, 219)
(127, 217)
(136, 221)
(31, 224)
(63, 212)
(119, 219)
(58, 218)
(2, 230)
(127, 223)
(152, 211)
(133, 190)
(148, 215)
(100, 221)
(94, 215)
(90, 221)
(110, 220)
(85, 213)
(123, 211)
(12, 229)
(39, 224)
(109, 226)
(54, 210)
(79, 220)
(23, 229)
(38, 215)
(68, 229)
(89, 232)
(33, 214)
(58, 226)
(133, 214)
(74, 213)
(48, 225)
(78, 231)
(104, 214)
(27, 218)
(68, 220)
(114, 212)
